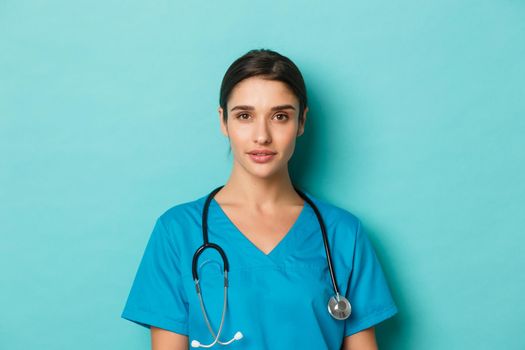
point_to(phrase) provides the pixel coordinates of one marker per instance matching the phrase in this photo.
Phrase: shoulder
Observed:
(336, 218)
(179, 226)
(183, 215)
(343, 230)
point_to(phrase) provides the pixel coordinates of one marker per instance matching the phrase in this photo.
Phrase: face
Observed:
(263, 115)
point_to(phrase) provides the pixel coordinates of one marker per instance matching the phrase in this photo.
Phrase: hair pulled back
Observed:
(269, 65)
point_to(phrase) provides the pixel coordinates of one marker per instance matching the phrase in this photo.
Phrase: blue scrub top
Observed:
(277, 300)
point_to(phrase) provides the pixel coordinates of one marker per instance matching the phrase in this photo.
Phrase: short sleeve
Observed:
(156, 297)
(368, 291)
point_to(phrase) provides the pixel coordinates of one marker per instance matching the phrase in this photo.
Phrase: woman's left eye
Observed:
(281, 116)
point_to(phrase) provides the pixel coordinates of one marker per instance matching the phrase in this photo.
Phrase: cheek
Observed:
(286, 139)
(239, 139)
(239, 135)
(291, 147)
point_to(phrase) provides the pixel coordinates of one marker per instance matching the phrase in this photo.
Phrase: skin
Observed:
(259, 198)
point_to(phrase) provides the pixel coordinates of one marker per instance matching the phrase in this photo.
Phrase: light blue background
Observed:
(108, 117)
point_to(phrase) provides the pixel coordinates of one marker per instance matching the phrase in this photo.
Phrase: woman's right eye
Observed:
(242, 115)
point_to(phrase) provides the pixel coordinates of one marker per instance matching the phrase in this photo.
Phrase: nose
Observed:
(262, 132)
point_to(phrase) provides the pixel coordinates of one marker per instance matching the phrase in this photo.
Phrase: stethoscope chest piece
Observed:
(339, 307)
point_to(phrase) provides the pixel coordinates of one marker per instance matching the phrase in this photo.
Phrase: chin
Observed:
(262, 171)
(267, 173)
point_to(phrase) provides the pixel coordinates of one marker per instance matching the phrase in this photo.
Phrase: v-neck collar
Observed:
(281, 247)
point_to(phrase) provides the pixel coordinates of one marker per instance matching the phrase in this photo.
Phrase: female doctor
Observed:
(259, 263)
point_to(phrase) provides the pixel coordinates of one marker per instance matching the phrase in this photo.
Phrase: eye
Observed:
(242, 115)
(281, 117)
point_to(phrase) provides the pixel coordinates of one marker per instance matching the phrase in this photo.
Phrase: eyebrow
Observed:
(251, 108)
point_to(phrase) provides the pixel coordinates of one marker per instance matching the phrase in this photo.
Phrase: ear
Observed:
(300, 130)
(224, 127)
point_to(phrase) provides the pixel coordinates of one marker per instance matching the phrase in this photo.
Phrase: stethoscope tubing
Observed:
(325, 238)
(206, 244)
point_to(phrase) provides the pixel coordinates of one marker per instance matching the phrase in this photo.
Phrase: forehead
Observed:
(257, 91)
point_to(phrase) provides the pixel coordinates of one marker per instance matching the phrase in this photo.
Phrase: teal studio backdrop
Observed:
(108, 117)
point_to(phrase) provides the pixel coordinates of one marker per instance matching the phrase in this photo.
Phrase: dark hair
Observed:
(269, 65)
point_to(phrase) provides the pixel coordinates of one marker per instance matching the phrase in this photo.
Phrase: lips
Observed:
(262, 152)
(261, 155)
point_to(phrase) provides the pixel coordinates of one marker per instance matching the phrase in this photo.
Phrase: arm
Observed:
(162, 339)
(364, 340)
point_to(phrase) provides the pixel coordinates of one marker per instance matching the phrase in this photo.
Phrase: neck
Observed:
(249, 190)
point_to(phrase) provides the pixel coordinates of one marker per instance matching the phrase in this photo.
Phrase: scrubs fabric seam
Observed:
(358, 231)
(147, 319)
(166, 229)
(372, 320)
(280, 267)
(177, 258)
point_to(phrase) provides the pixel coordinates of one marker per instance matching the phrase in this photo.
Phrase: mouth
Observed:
(262, 152)
(261, 156)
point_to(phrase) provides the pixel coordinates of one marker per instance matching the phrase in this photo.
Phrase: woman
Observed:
(280, 292)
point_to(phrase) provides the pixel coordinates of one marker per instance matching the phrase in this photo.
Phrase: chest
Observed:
(265, 231)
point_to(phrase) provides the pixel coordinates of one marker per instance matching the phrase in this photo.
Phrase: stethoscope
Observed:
(338, 306)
